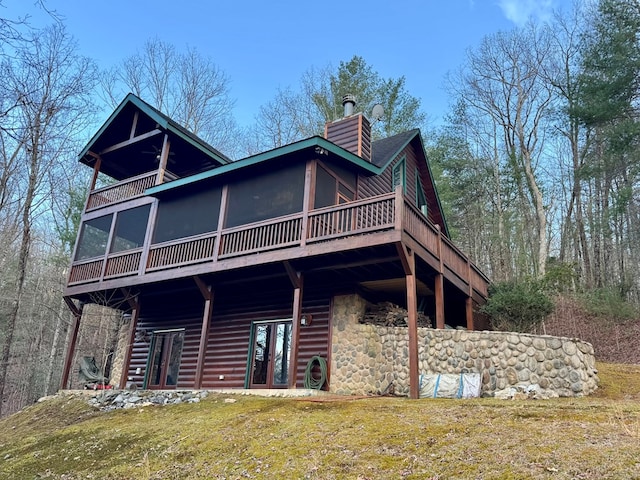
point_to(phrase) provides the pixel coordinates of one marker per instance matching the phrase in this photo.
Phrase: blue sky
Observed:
(265, 45)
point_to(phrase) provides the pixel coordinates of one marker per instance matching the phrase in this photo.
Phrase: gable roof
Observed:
(385, 150)
(116, 130)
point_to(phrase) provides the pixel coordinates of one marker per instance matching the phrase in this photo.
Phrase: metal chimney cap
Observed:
(348, 102)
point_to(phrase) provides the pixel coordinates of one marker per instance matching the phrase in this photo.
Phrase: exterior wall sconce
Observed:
(305, 320)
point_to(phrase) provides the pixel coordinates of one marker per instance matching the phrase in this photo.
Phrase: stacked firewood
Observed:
(388, 314)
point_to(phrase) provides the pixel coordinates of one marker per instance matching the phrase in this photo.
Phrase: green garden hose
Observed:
(311, 382)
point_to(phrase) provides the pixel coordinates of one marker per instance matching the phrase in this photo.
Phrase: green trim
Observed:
(252, 337)
(401, 167)
(317, 142)
(421, 198)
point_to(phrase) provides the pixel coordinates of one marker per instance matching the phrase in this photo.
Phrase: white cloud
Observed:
(519, 11)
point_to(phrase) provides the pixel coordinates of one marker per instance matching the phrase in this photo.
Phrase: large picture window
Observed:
(94, 236)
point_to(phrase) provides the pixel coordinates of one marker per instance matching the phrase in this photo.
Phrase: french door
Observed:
(271, 353)
(164, 359)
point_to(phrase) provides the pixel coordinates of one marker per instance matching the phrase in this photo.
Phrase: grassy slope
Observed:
(589, 438)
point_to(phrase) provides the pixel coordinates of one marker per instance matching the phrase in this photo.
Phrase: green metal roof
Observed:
(164, 122)
(317, 142)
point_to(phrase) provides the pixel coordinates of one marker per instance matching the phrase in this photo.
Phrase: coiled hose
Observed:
(309, 380)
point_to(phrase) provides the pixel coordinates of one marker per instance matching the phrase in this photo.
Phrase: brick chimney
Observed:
(352, 132)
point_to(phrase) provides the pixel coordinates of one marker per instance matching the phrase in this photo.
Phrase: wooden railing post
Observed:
(222, 215)
(309, 190)
(399, 207)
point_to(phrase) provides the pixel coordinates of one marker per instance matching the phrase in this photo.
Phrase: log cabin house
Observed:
(228, 270)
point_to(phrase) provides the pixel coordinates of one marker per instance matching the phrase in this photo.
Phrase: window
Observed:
(331, 190)
(187, 215)
(94, 236)
(270, 195)
(421, 199)
(131, 227)
(398, 175)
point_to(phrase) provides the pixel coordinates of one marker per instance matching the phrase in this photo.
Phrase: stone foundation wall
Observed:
(368, 358)
(120, 352)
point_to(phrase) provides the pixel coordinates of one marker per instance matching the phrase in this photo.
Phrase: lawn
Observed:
(236, 437)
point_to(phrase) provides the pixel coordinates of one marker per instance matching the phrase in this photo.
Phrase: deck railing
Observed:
(324, 224)
(261, 236)
(121, 191)
(184, 251)
(376, 213)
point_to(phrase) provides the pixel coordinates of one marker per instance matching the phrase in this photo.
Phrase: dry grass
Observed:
(587, 438)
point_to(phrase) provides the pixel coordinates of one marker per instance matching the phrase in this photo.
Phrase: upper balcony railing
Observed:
(369, 215)
(119, 192)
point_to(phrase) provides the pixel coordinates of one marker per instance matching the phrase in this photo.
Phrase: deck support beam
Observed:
(408, 260)
(207, 294)
(469, 313)
(77, 316)
(439, 294)
(131, 338)
(439, 284)
(297, 280)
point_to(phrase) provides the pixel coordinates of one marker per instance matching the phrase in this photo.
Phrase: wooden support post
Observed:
(469, 311)
(207, 293)
(309, 193)
(131, 338)
(469, 301)
(77, 316)
(439, 284)
(439, 294)
(164, 157)
(407, 257)
(297, 282)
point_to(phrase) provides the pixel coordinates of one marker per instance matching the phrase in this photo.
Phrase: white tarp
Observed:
(449, 385)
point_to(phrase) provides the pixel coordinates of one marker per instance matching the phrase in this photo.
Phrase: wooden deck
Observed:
(333, 225)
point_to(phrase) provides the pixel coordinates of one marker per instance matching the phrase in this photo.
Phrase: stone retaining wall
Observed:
(368, 358)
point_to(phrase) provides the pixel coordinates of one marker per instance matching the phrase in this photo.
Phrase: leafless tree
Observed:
(187, 86)
(502, 80)
(50, 85)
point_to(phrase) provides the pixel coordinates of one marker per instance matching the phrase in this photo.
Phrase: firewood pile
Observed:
(387, 314)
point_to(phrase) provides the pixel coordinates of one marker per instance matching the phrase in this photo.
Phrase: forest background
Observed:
(537, 166)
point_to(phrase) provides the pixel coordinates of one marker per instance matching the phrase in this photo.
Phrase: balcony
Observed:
(346, 222)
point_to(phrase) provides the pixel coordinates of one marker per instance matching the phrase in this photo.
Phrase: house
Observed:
(229, 271)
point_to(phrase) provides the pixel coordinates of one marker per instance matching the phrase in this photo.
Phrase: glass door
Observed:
(164, 359)
(270, 354)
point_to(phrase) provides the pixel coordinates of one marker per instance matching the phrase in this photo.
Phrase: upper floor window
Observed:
(399, 175)
(188, 215)
(269, 195)
(94, 236)
(131, 227)
(330, 189)
(421, 199)
(129, 232)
